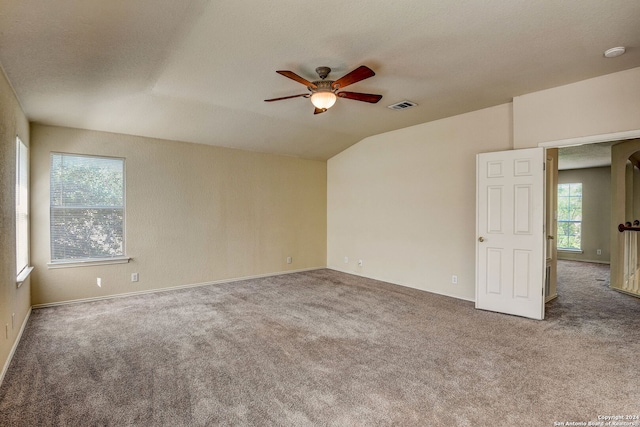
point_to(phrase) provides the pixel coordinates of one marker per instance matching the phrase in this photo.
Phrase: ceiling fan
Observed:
(325, 92)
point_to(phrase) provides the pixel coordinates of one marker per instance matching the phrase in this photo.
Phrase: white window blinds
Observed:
(22, 206)
(87, 207)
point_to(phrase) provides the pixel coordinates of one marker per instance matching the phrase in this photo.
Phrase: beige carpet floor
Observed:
(328, 349)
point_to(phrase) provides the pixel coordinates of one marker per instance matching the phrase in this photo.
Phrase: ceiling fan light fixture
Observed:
(324, 93)
(323, 99)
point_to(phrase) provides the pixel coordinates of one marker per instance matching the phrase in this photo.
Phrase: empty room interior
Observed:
(337, 214)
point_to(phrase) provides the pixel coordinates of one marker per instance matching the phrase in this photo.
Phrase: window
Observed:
(570, 216)
(87, 208)
(22, 211)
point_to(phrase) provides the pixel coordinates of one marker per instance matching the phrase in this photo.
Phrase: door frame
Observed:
(616, 258)
(551, 223)
(591, 139)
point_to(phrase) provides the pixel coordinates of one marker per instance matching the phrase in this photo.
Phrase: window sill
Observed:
(572, 251)
(88, 262)
(24, 274)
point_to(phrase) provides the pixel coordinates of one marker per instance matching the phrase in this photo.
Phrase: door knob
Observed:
(480, 239)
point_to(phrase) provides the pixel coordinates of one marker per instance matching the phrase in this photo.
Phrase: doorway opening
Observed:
(584, 195)
(589, 168)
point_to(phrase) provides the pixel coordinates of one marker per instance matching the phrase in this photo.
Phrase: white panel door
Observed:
(510, 246)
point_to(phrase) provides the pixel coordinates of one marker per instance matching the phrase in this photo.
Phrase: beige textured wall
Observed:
(636, 194)
(629, 190)
(194, 214)
(597, 106)
(633, 193)
(596, 212)
(13, 300)
(404, 202)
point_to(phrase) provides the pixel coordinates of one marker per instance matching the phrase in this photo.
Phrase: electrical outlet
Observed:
(599, 251)
(346, 260)
(134, 277)
(289, 260)
(359, 263)
(454, 279)
(99, 282)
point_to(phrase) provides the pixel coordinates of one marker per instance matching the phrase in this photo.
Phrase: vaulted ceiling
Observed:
(200, 70)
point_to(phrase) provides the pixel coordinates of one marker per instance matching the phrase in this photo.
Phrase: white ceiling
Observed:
(585, 156)
(199, 70)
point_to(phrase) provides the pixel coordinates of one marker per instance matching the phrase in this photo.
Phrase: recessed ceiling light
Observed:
(614, 51)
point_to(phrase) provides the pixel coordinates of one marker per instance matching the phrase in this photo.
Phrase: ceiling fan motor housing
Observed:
(323, 72)
(322, 86)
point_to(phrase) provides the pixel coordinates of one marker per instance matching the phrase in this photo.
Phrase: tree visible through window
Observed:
(87, 207)
(570, 216)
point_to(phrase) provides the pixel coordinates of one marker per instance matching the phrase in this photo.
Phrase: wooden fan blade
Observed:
(356, 75)
(294, 76)
(365, 97)
(306, 95)
(319, 110)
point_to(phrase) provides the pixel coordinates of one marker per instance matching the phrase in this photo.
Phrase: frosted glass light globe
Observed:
(323, 100)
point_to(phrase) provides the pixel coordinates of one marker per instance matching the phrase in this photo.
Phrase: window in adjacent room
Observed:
(87, 208)
(22, 212)
(570, 216)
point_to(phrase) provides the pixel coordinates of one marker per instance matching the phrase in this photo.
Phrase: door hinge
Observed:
(544, 166)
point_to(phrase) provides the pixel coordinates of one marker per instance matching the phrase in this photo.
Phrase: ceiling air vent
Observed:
(402, 105)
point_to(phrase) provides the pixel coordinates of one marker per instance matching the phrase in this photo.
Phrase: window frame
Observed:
(88, 261)
(568, 220)
(22, 194)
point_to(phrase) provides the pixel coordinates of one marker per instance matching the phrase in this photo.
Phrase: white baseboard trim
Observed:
(172, 288)
(400, 284)
(15, 347)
